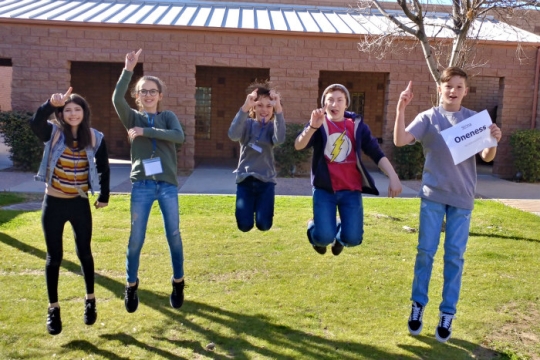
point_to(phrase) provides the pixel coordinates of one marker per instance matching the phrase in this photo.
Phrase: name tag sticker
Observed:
(255, 147)
(152, 166)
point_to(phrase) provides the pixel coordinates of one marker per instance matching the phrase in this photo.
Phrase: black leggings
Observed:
(55, 213)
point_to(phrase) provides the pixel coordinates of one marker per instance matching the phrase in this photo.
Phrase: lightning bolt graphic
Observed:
(337, 146)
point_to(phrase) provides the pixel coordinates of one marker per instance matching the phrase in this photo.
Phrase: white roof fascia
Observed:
(247, 16)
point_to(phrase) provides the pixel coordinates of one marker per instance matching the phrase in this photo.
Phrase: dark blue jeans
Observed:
(325, 227)
(254, 203)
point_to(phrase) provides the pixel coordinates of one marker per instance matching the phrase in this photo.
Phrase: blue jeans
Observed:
(143, 195)
(254, 198)
(455, 243)
(325, 228)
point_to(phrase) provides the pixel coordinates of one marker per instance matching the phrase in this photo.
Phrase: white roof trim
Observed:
(238, 15)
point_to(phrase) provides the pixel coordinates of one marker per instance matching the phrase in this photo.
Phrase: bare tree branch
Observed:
(446, 40)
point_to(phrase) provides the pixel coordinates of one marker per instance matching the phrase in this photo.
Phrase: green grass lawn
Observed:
(270, 295)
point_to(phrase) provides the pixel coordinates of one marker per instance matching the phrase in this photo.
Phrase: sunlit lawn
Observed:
(269, 295)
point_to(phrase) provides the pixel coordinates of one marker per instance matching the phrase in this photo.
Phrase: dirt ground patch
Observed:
(518, 338)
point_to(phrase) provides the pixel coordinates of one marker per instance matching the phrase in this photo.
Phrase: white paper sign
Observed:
(469, 137)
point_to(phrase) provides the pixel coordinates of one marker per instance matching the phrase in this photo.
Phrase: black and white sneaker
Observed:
(444, 329)
(415, 319)
(131, 300)
(90, 312)
(54, 322)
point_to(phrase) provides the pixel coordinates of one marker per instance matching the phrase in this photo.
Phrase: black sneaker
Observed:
(444, 329)
(177, 296)
(415, 319)
(131, 300)
(54, 323)
(90, 312)
(320, 249)
(337, 248)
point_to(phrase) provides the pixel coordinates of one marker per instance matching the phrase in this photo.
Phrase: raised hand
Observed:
(131, 59)
(59, 99)
(406, 96)
(250, 101)
(317, 117)
(275, 99)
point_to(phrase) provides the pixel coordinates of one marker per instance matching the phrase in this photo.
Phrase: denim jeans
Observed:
(455, 243)
(254, 199)
(143, 195)
(325, 228)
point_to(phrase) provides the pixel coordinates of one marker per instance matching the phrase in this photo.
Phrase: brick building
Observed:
(207, 54)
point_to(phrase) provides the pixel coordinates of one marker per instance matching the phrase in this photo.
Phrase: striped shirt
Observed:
(71, 171)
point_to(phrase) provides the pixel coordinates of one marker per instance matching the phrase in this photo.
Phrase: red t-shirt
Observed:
(340, 155)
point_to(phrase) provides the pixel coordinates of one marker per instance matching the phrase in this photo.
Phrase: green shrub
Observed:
(286, 156)
(26, 149)
(525, 145)
(409, 161)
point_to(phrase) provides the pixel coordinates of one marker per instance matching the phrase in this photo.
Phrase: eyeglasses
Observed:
(145, 92)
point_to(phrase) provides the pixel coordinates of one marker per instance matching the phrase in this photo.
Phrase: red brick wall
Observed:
(95, 81)
(228, 95)
(372, 84)
(42, 55)
(483, 94)
(5, 88)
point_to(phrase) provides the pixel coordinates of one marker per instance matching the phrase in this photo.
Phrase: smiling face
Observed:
(336, 104)
(148, 95)
(73, 115)
(452, 93)
(264, 109)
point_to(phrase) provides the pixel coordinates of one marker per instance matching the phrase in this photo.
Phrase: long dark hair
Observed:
(84, 136)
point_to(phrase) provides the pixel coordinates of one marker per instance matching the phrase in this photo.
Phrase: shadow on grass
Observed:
(248, 331)
(503, 237)
(7, 216)
(459, 349)
(93, 349)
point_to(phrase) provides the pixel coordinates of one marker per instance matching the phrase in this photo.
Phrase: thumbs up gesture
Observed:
(406, 96)
(59, 99)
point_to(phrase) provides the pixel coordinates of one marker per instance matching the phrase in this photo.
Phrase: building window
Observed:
(357, 102)
(203, 112)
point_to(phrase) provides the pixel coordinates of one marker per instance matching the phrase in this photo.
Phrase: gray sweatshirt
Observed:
(257, 143)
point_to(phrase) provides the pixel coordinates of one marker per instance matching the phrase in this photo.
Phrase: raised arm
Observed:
(316, 121)
(119, 101)
(38, 123)
(401, 136)
(279, 123)
(236, 130)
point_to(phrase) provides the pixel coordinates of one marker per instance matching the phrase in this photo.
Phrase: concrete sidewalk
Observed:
(221, 180)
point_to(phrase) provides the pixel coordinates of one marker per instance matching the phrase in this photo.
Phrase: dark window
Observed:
(357, 102)
(203, 112)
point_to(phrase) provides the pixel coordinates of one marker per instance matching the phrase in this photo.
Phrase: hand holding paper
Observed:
(471, 136)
